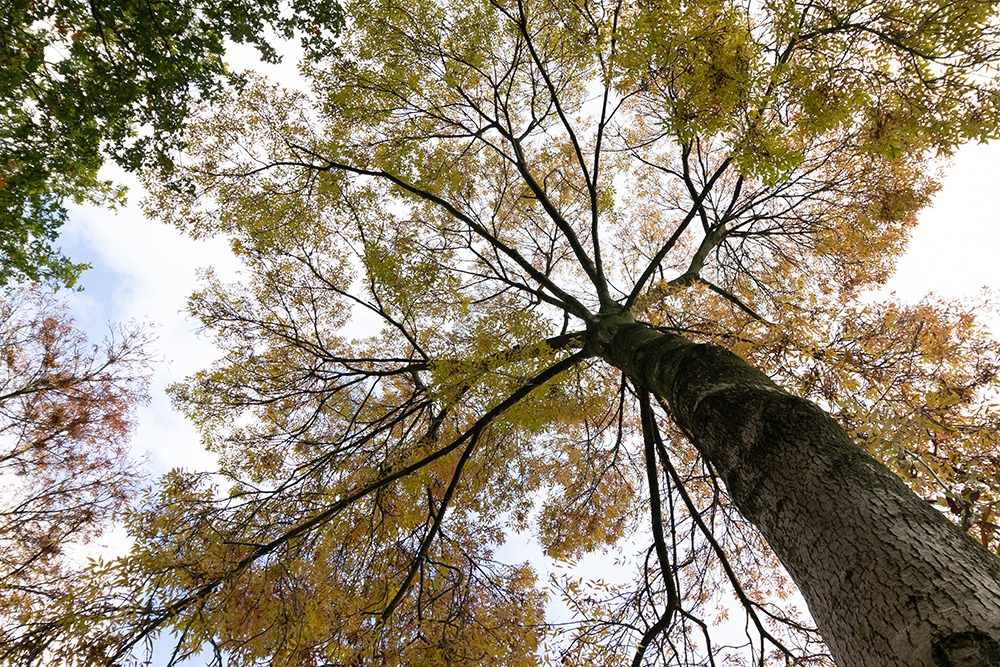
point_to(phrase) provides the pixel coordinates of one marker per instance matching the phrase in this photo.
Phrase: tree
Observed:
(86, 81)
(552, 219)
(66, 409)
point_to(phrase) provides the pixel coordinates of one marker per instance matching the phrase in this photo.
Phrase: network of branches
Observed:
(432, 228)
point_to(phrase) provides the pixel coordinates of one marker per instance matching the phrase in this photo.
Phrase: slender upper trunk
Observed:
(887, 578)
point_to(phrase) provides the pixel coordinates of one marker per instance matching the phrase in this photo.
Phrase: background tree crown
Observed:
(87, 82)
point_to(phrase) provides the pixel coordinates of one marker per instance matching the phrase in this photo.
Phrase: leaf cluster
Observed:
(66, 410)
(85, 82)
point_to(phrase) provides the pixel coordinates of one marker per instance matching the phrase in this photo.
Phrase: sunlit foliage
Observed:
(430, 234)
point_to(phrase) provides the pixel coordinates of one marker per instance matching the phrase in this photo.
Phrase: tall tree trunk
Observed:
(887, 578)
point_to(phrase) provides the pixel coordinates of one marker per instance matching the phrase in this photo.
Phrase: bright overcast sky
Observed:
(954, 249)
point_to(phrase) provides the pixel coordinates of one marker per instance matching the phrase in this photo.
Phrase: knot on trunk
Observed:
(967, 649)
(603, 327)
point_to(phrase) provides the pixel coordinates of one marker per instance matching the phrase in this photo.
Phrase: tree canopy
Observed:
(66, 410)
(85, 82)
(441, 237)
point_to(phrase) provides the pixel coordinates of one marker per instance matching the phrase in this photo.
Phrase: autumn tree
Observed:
(85, 82)
(600, 271)
(66, 409)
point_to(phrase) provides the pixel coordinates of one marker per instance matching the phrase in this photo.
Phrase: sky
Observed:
(954, 249)
(143, 271)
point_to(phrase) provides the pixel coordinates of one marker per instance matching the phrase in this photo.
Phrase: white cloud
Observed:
(144, 271)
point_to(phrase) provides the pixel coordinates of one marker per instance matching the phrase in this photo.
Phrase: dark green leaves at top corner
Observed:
(85, 82)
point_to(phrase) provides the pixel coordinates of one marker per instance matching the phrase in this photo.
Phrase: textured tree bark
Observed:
(889, 581)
